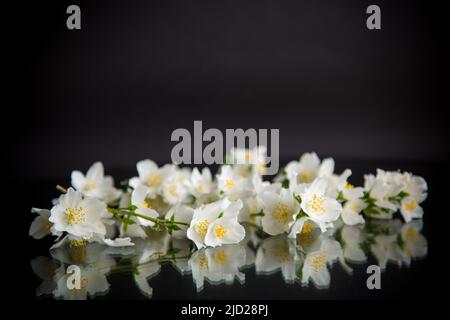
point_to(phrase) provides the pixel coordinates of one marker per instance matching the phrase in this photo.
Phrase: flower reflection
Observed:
(218, 265)
(274, 254)
(307, 259)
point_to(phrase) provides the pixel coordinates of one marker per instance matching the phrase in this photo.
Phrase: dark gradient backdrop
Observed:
(115, 90)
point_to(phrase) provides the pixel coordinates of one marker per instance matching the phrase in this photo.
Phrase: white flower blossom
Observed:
(78, 216)
(216, 223)
(95, 184)
(279, 211)
(150, 175)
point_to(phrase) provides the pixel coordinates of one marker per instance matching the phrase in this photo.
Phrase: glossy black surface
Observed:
(258, 268)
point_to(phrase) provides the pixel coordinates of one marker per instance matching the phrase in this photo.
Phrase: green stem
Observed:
(126, 211)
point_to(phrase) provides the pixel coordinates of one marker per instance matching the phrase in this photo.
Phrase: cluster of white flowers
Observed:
(211, 211)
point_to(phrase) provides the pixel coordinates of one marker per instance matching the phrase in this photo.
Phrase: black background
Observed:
(116, 89)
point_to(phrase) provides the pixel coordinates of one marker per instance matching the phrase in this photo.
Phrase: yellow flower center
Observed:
(316, 204)
(308, 226)
(348, 185)
(220, 231)
(48, 226)
(75, 215)
(146, 204)
(306, 176)
(90, 185)
(248, 156)
(354, 208)
(200, 187)
(77, 243)
(203, 262)
(281, 253)
(411, 205)
(229, 183)
(221, 256)
(172, 190)
(318, 262)
(282, 214)
(262, 168)
(410, 234)
(153, 180)
(202, 227)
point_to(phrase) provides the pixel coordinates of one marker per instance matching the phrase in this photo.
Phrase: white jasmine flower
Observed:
(274, 254)
(156, 244)
(150, 176)
(302, 226)
(416, 187)
(45, 269)
(180, 213)
(201, 184)
(249, 161)
(382, 189)
(410, 209)
(231, 184)
(95, 184)
(318, 206)
(41, 226)
(353, 237)
(416, 190)
(253, 204)
(95, 264)
(385, 246)
(316, 263)
(308, 168)
(93, 281)
(144, 273)
(279, 211)
(217, 265)
(216, 223)
(353, 205)
(414, 244)
(139, 198)
(174, 187)
(182, 246)
(79, 217)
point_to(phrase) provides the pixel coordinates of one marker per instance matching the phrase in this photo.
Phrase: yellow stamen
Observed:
(281, 253)
(316, 204)
(203, 262)
(220, 231)
(348, 185)
(90, 186)
(172, 190)
(202, 227)
(410, 206)
(230, 184)
(262, 168)
(153, 180)
(410, 234)
(77, 243)
(308, 226)
(318, 262)
(221, 256)
(146, 204)
(75, 215)
(282, 214)
(306, 176)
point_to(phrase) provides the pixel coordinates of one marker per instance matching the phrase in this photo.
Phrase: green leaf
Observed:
(285, 183)
(128, 221)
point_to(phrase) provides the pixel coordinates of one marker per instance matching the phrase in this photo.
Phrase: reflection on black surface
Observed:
(308, 260)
